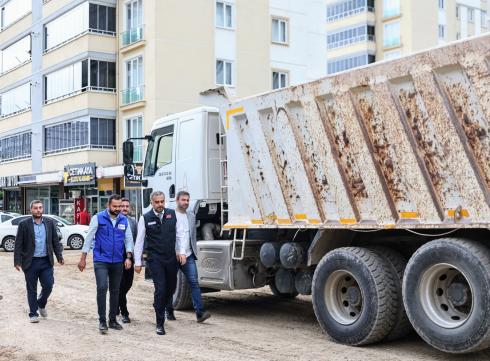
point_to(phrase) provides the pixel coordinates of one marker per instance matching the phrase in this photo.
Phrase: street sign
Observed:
(133, 175)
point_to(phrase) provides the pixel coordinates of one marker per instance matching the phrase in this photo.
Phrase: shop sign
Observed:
(25, 179)
(79, 174)
(133, 175)
(79, 207)
(9, 181)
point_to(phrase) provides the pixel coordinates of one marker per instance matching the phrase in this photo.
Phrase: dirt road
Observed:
(247, 325)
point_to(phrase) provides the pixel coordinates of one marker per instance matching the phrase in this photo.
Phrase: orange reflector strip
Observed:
(283, 221)
(231, 112)
(389, 226)
(409, 215)
(348, 221)
(314, 221)
(300, 217)
(257, 221)
(452, 212)
(232, 226)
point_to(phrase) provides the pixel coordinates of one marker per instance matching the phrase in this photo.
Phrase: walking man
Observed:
(113, 248)
(128, 274)
(186, 250)
(157, 228)
(36, 241)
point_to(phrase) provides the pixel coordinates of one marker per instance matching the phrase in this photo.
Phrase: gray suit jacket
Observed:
(191, 217)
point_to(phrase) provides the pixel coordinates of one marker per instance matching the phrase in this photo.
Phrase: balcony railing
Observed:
(350, 12)
(132, 35)
(346, 42)
(132, 95)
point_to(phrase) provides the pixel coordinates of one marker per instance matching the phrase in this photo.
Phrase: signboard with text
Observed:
(133, 175)
(79, 174)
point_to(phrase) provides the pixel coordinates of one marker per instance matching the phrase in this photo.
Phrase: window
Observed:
(350, 36)
(84, 17)
(134, 81)
(391, 34)
(224, 72)
(98, 133)
(279, 79)
(458, 35)
(339, 10)
(16, 221)
(133, 22)
(391, 8)
(159, 150)
(341, 64)
(224, 15)
(15, 147)
(458, 9)
(102, 18)
(441, 4)
(441, 31)
(484, 19)
(16, 54)
(15, 100)
(75, 78)
(392, 54)
(134, 129)
(471, 15)
(280, 31)
(13, 10)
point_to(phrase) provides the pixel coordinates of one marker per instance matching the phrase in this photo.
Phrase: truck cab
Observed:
(183, 153)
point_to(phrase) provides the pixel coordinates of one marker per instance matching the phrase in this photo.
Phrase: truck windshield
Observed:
(159, 151)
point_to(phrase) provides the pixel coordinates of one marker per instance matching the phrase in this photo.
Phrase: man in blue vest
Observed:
(113, 236)
(157, 229)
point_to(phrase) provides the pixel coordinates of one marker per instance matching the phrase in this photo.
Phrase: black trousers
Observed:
(126, 283)
(108, 276)
(41, 270)
(164, 274)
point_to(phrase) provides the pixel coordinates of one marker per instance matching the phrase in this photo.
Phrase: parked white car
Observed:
(5, 216)
(73, 235)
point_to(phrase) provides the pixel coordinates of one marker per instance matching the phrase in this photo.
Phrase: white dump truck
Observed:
(369, 190)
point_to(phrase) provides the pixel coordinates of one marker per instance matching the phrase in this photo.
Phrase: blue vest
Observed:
(109, 240)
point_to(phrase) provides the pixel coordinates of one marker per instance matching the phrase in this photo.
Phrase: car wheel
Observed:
(75, 241)
(8, 244)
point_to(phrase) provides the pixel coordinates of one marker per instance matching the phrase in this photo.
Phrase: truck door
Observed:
(164, 179)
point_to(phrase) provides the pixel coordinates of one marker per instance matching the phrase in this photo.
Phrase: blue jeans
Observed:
(40, 269)
(190, 272)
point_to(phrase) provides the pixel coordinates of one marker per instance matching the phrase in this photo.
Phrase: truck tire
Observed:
(182, 299)
(276, 292)
(446, 292)
(353, 291)
(402, 326)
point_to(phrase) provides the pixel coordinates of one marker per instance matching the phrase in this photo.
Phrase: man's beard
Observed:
(115, 213)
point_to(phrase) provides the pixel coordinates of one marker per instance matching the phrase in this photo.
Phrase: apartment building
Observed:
(78, 77)
(360, 32)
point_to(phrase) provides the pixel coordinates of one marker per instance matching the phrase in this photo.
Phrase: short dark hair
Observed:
(183, 193)
(114, 197)
(124, 199)
(35, 201)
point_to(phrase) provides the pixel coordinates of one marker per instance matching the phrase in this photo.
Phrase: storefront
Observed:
(12, 194)
(47, 187)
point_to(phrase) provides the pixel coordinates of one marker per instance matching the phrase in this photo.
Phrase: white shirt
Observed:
(183, 243)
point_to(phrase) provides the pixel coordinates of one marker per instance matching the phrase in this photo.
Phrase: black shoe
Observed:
(115, 325)
(169, 316)
(125, 319)
(203, 317)
(160, 330)
(103, 327)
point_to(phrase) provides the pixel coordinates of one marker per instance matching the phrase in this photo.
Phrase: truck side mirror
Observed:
(128, 149)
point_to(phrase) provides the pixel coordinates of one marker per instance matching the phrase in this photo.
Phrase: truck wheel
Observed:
(446, 291)
(402, 326)
(182, 299)
(353, 291)
(275, 292)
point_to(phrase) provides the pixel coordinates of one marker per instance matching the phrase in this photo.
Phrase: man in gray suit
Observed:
(186, 250)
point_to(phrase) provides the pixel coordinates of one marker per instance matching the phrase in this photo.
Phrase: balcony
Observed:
(132, 36)
(353, 40)
(132, 95)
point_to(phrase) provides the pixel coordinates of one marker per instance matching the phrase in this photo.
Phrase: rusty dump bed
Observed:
(398, 144)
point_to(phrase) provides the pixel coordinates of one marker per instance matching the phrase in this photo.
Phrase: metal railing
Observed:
(351, 12)
(132, 35)
(132, 95)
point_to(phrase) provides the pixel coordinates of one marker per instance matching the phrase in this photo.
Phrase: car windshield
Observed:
(62, 220)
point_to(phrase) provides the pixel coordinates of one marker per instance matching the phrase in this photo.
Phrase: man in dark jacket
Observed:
(128, 274)
(113, 247)
(36, 241)
(157, 229)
